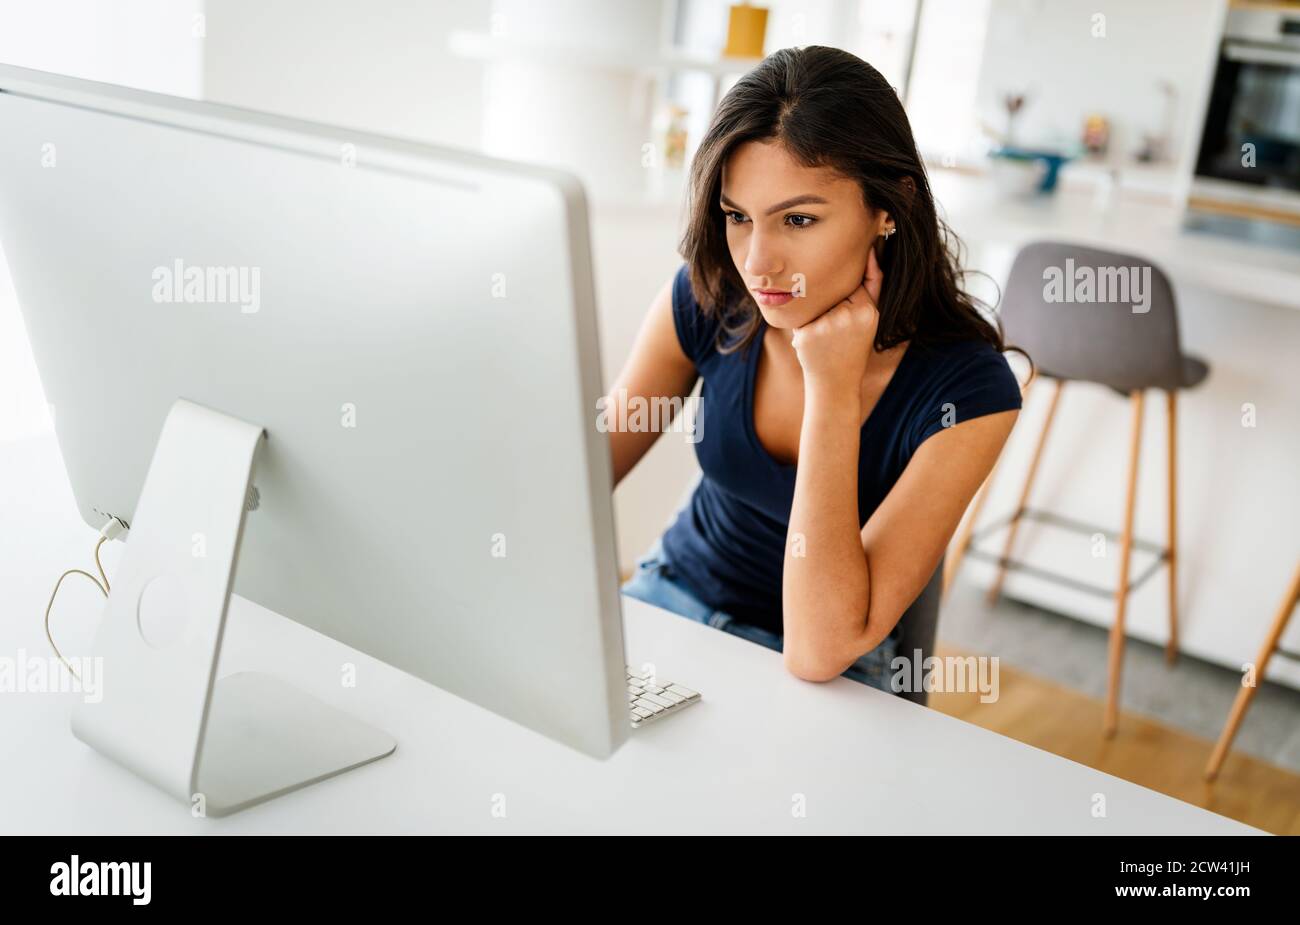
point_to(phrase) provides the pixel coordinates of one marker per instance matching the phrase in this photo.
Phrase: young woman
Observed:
(854, 398)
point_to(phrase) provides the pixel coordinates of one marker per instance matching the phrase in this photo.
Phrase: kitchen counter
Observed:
(1147, 225)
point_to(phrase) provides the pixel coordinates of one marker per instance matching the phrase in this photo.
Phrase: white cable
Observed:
(112, 529)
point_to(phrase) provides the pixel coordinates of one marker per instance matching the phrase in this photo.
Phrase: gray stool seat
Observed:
(1194, 370)
(1125, 344)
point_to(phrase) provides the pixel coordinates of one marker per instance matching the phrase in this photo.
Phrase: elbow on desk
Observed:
(806, 672)
(825, 662)
(814, 666)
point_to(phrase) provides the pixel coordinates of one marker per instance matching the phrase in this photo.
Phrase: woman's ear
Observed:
(884, 225)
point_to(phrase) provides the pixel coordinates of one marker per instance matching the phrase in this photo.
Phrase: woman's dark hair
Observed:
(829, 108)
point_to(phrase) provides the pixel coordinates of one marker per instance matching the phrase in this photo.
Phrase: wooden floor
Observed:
(1067, 723)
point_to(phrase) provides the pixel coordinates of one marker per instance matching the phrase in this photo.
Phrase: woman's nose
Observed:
(761, 260)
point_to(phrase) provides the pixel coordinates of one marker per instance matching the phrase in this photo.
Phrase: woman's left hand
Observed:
(835, 347)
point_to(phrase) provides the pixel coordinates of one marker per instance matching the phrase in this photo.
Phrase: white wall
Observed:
(1047, 47)
(148, 44)
(379, 67)
(583, 111)
(941, 96)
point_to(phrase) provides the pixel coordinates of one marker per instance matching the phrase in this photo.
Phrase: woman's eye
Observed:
(795, 221)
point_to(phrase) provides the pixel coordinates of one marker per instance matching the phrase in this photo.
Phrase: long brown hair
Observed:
(829, 108)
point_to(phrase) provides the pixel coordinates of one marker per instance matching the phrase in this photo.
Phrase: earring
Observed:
(889, 232)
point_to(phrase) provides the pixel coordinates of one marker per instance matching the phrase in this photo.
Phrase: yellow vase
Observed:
(746, 30)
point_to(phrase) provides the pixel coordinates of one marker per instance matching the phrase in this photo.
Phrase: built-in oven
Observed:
(1247, 177)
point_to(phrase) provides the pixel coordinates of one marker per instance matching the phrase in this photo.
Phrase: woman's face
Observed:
(800, 230)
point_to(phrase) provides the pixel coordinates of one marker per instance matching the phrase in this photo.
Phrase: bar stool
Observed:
(1115, 343)
(1272, 645)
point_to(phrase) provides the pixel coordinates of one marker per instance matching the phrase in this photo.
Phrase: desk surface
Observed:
(760, 742)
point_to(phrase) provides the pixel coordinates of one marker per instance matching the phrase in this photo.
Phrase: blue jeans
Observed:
(655, 582)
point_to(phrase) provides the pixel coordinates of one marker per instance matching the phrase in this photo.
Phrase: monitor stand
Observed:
(219, 745)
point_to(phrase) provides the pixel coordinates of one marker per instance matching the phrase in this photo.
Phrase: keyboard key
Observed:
(649, 705)
(650, 698)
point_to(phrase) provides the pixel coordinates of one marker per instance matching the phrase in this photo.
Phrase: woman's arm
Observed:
(847, 590)
(826, 585)
(657, 368)
(844, 590)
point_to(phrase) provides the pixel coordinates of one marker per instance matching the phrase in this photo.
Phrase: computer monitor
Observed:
(398, 340)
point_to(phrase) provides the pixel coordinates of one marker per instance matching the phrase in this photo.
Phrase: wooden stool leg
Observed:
(1246, 694)
(1171, 413)
(953, 562)
(996, 588)
(1117, 638)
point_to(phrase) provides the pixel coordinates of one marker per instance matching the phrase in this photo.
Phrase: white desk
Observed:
(865, 761)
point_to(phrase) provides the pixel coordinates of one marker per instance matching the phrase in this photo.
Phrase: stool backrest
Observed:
(1124, 334)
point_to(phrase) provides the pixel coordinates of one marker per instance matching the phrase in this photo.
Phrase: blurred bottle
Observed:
(746, 31)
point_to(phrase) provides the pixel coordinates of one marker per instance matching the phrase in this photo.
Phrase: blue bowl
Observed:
(1051, 160)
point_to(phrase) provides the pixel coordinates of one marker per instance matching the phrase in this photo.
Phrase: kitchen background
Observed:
(1145, 107)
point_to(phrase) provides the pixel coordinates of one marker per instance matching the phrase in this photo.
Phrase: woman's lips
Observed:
(772, 297)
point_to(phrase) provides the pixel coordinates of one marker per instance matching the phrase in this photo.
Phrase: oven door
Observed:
(1252, 124)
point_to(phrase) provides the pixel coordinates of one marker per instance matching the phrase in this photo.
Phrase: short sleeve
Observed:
(979, 383)
(695, 331)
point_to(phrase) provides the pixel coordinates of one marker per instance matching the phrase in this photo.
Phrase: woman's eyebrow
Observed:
(806, 198)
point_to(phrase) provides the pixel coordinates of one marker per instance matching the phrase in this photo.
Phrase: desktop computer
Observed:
(349, 377)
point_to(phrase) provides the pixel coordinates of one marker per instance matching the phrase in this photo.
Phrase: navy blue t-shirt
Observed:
(728, 542)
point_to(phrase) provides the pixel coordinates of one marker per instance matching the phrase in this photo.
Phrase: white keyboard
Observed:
(650, 698)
